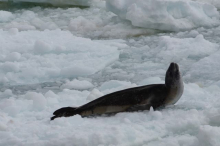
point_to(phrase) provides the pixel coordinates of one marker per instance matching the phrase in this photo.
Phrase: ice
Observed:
(82, 24)
(152, 80)
(3, 80)
(3, 127)
(94, 22)
(60, 57)
(203, 68)
(9, 67)
(6, 94)
(95, 93)
(215, 3)
(208, 136)
(169, 15)
(121, 129)
(193, 48)
(13, 31)
(41, 47)
(13, 56)
(33, 56)
(114, 85)
(77, 84)
(5, 16)
(39, 101)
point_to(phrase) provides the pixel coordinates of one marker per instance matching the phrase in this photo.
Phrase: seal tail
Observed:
(64, 112)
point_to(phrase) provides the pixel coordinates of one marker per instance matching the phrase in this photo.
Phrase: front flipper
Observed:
(63, 112)
(141, 107)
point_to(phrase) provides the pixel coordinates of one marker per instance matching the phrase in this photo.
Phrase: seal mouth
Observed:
(172, 75)
(173, 67)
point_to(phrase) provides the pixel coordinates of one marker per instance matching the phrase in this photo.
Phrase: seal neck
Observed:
(173, 76)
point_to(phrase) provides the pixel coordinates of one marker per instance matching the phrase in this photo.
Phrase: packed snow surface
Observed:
(92, 22)
(169, 15)
(32, 57)
(215, 3)
(55, 57)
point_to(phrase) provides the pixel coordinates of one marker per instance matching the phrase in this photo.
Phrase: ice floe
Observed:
(169, 15)
(43, 44)
(33, 56)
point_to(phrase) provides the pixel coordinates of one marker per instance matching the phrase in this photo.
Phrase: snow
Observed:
(151, 80)
(57, 57)
(33, 56)
(114, 85)
(5, 16)
(192, 48)
(95, 93)
(94, 22)
(215, 3)
(77, 84)
(39, 101)
(169, 15)
(204, 66)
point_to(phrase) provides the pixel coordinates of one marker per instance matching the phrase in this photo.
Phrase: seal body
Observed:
(132, 99)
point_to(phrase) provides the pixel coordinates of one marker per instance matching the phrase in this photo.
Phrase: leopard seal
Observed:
(132, 99)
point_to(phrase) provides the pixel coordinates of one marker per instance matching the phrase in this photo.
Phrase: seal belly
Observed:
(174, 95)
(104, 110)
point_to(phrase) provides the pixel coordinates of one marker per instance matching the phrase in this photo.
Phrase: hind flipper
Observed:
(63, 112)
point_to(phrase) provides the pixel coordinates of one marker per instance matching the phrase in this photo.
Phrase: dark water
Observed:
(13, 6)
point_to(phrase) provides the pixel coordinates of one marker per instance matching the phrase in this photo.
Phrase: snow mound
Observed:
(34, 57)
(175, 49)
(94, 22)
(5, 16)
(151, 80)
(169, 15)
(39, 101)
(206, 68)
(215, 3)
(77, 84)
(185, 51)
(95, 93)
(115, 85)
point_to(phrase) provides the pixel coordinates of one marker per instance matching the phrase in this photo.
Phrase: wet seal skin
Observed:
(132, 99)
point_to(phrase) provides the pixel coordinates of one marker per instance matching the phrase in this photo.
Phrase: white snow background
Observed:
(52, 57)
